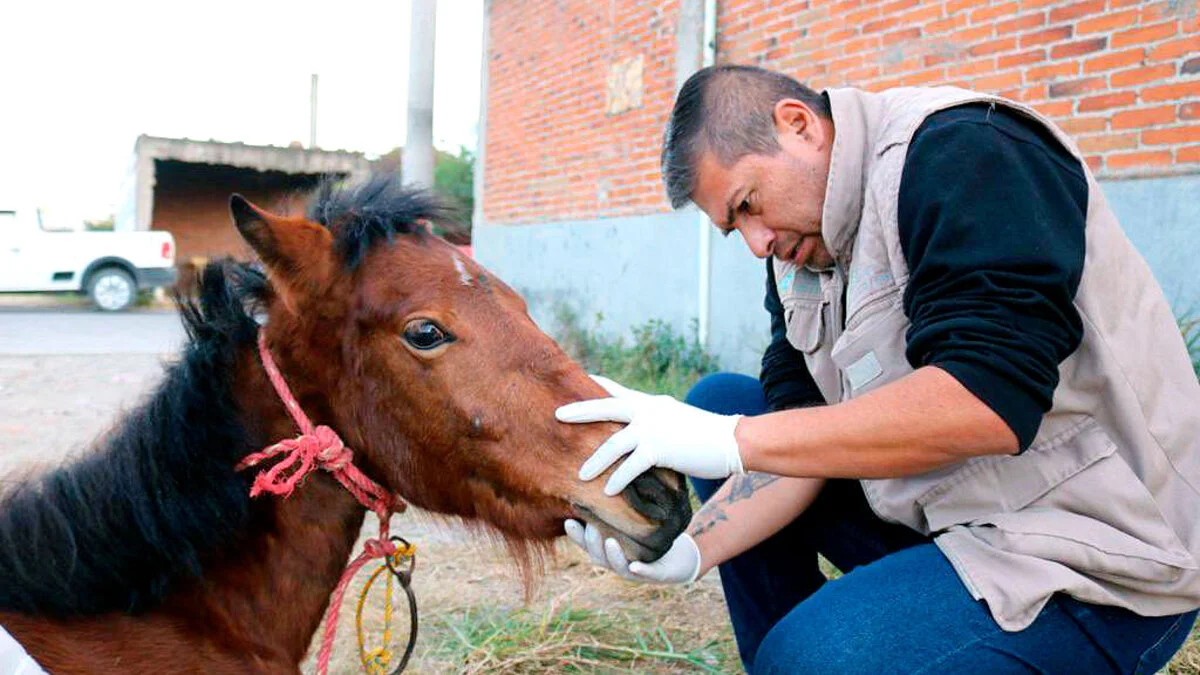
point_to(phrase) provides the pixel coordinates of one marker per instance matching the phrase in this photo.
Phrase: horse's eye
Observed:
(424, 334)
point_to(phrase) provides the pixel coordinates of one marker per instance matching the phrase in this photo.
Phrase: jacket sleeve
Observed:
(991, 217)
(785, 379)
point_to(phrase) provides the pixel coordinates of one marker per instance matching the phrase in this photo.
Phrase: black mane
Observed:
(115, 530)
(361, 216)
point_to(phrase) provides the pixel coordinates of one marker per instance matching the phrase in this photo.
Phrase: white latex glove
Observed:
(679, 565)
(661, 432)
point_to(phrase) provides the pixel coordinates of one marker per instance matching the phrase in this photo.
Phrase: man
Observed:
(1001, 374)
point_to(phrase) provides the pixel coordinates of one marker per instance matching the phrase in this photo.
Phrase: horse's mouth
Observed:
(645, 548)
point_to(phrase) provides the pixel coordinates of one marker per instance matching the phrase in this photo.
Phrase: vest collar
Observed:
(852, 123)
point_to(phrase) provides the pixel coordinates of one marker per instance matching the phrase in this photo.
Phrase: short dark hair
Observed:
(728, 110)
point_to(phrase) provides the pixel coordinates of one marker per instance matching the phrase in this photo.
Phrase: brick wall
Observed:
(191, 201)
(553, 150)
(1121, 76)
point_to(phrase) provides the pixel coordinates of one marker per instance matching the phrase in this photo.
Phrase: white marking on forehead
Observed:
(464, 276)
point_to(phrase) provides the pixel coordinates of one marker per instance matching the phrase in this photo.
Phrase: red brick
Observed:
(1094, 162)
(970, 36)
(976, 67)
(1108, 22)
(1055, 108)
(1056, 34)
(997, 82)
(880, 24)
(1171, 92)
(1052, 71)
(1107, 142)
(921, 14)
(953, 6)
(1021, 59)
(992, 47)
(1021, 23)
(1125, 78)
(1026, 95)
(1175, 48)
(1081, 125)
(901, 36)
(1143, 35)
(946, 25)
(1077, 48)
(993, 12)
(930, 60)
(1138, 159)
(1188, 154)
(1113, 60)
(1146, 117)
(1172, 136)
(1152, 12)
(1076, 10)
(1107, 101)
(924, 77)
(1076, 87)
(1189, 111)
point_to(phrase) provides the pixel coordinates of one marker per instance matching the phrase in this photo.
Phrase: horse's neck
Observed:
(272, 592)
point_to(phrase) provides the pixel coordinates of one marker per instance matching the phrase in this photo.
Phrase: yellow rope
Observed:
(378, 661)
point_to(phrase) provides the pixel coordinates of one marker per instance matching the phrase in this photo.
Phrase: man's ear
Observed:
(298, 254)
(793, 117)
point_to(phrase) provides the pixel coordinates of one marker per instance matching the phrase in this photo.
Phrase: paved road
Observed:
(86, 331)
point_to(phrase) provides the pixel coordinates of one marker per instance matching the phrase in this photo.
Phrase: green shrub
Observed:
(1190, 327)
(659, 360)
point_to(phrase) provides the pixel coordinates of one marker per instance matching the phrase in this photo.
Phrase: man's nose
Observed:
(761, 240)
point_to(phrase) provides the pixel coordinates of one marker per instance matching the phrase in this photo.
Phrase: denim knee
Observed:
(728, 394)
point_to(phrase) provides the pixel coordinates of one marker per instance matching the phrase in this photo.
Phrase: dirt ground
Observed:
(474, 618)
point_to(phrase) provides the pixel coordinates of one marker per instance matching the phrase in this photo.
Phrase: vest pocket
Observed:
(871, 353)
(805, 320)
(1072, 500)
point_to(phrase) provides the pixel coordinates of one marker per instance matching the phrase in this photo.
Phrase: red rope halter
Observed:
(319, 447)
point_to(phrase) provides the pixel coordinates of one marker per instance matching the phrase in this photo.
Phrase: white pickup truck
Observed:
(111, 267)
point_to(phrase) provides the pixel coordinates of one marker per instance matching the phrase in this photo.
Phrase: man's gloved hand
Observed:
(661, 432)
(680, 564)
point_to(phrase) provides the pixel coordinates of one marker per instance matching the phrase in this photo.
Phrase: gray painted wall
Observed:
(634, 269)
(1161, 216)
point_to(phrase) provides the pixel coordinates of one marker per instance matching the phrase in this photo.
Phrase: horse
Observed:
(147, 554)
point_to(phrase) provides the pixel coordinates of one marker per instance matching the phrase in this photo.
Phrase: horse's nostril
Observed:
(650, 497)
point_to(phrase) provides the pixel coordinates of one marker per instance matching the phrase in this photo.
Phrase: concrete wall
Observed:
(634, 269)
(631, 270)
(1162, 218)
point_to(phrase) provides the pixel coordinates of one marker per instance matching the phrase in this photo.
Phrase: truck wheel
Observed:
(112, 289)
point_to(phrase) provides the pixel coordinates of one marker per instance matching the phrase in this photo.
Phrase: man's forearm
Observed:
(918, 423)
(747, 510)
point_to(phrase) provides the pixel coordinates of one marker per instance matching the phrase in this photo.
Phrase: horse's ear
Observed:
(296, 253)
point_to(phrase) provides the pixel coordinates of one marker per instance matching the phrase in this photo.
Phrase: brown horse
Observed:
(148, 555)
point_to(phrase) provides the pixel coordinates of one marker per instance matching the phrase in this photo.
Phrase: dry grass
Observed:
(474, 619)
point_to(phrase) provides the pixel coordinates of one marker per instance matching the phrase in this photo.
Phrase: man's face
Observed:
(774, 201)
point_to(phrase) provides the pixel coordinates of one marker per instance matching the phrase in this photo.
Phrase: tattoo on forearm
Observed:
(741, 487)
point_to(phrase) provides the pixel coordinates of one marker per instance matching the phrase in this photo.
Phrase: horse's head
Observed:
(433, 372)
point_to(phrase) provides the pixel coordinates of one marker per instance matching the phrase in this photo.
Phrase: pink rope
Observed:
(319, 447)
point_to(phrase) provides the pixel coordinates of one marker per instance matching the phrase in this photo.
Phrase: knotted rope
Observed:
(319, 447)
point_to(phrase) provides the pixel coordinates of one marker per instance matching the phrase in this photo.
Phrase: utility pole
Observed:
(312, 114)
(417, 157)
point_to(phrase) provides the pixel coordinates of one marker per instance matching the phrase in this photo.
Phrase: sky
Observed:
(80, 81)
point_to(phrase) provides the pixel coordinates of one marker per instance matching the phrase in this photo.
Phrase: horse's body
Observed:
(149, 556)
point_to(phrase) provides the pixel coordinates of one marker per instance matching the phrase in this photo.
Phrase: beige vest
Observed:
(1105, 505)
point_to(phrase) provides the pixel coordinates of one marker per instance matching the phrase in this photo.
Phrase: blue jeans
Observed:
(900, 608)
